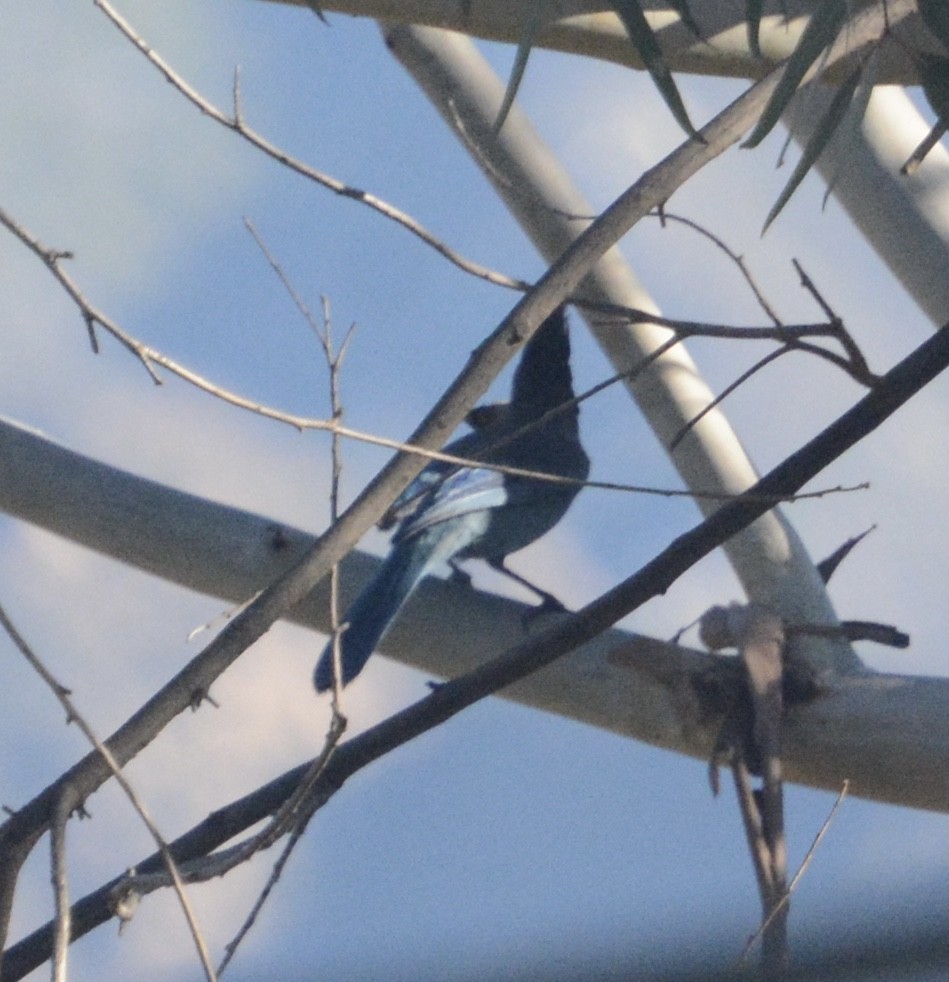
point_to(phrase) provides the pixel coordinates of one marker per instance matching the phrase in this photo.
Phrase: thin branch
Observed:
(739, 261)
(843, 336)
(149, 356)
(898, 385)
(295, 814)
(57, 848)
(805, 863)
(292, 816)
(853, 364)
(725, 393)
(67, 795)
(236, 123)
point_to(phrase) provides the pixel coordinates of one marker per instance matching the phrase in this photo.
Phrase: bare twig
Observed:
(860, 369)
(235, 122)
(724, 394)
(150, 357)
(665, 216)
(296, 813)
(903, 381)
(293, 815)
(805, 863)
(67, 796)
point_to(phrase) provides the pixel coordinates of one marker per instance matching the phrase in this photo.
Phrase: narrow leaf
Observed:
(524, 45)
(850, 131)
(753, 20)
(827, 567)
(815, 146)
(820, 33)
(681, 7)
(934, 74)
(647, 47)
(935, 14)
(318, 10)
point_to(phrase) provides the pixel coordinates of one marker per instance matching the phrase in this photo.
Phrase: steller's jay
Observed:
(449, 513)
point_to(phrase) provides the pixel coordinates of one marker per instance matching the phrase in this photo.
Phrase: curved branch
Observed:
(884, 734)
(589, 27)
(768, 557)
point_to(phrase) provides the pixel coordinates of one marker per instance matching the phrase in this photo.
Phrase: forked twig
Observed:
(235, 123)
(150, 357)
(805, 863)
(64, 801)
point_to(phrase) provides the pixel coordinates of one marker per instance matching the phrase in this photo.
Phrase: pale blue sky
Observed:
(507, 838)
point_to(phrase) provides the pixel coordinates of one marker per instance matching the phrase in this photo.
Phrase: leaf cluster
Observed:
(842, 117)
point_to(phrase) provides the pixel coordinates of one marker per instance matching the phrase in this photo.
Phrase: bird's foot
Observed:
(549, 605)
(459, 576)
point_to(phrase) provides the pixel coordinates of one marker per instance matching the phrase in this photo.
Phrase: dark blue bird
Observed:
(449, 513)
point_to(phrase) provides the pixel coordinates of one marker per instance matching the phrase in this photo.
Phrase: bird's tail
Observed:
(373, 610)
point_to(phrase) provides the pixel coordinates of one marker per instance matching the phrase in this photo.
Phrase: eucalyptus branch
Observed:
(236, 123)
(896, 387)
(150, 357)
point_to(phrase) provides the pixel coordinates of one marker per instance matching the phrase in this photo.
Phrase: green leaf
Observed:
(681, 7)
(753, 20)
(820, 33)
(934, 74)
(819, 139)
(524, 45)
(647, 47)
(935, 14)
(849, 132)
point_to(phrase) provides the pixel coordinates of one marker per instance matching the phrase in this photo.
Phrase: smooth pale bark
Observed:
(904, 218)
(588, 27)
(887, 734)
(768, 556)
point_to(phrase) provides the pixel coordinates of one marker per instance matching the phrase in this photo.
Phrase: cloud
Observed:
(99, 163)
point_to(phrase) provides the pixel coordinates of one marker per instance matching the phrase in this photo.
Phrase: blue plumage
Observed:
(450, 513)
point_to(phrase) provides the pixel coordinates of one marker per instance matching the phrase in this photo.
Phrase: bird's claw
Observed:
(459, 576)
(548, 605)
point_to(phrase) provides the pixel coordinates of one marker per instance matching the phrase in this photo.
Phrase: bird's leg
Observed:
(458, 575)
(549, 604)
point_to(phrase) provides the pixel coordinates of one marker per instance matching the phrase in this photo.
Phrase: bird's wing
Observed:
(414, 496)
(462, 492)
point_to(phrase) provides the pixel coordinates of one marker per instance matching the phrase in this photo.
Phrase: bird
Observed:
(450, 512)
